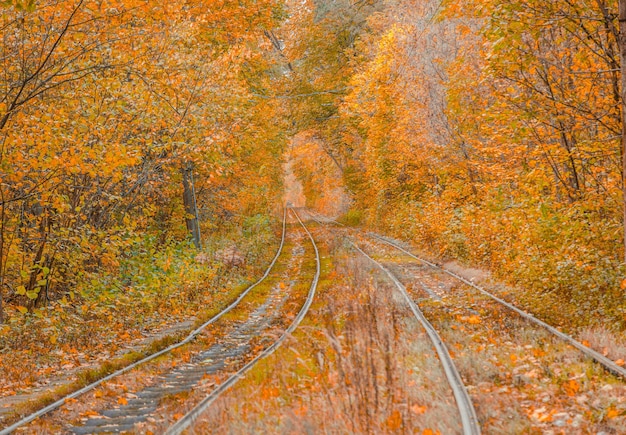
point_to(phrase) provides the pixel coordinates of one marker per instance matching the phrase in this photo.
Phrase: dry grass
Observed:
(611, 344)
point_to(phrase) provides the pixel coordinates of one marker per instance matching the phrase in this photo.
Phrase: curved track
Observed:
(599, 358)
(59, 403)
(188, 419)
(469, 420)
(605, 362)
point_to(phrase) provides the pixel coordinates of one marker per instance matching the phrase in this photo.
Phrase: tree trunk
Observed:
(622, 51)
(191, 207)
(2, 264)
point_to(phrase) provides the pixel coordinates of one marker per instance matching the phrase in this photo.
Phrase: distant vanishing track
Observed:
(188, 419)
(189, 338)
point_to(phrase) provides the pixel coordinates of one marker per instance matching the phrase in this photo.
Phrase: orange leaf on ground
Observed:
(122, 401)
(612, 413)
(417, 409)
(394, 421)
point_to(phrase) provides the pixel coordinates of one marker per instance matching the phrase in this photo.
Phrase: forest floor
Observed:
(360, 362)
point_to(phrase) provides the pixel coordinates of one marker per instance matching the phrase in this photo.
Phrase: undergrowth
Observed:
(156, 287)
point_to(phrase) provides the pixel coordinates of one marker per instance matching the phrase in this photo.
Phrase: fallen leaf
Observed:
(122, 401)
(612, 413)
(394, 422)
(417, 409)
(571, 387)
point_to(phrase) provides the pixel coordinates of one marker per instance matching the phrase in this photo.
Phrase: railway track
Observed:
(469, 420)
(523, 374)
(192, 336)
(229, 351)
(233, 357)
(605, 362)
(188, 419)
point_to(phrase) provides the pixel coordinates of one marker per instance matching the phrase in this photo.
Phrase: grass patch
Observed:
(353, 218)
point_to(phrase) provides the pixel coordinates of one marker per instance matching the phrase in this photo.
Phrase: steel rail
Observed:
(188, 419)
(605, 362)
(469, 420)
(55, 405)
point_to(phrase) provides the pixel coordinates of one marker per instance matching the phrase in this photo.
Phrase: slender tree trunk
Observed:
(622, 51)
(2, 230)
(191, 207)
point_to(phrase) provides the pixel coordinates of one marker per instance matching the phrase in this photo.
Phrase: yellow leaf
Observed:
(98, 394)
(22, 310)
(53, 339)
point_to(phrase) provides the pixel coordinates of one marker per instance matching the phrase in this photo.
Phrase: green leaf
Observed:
(42, 282)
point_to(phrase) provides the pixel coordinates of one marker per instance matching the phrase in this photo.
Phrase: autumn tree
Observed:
(102, 106)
